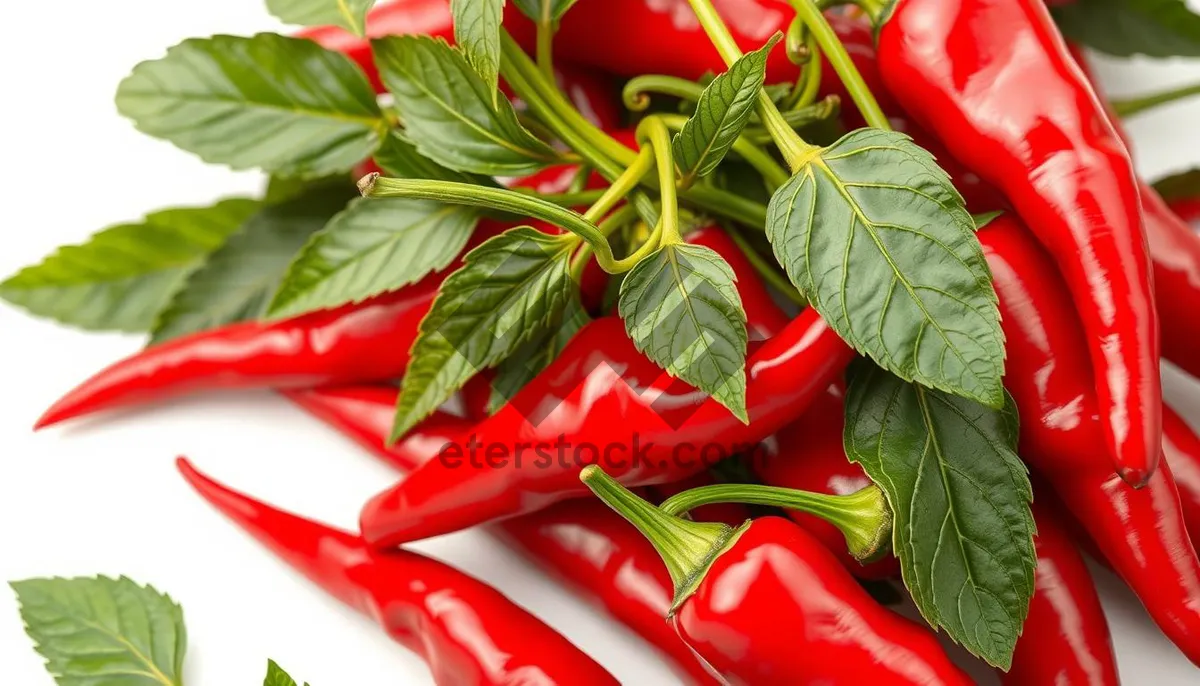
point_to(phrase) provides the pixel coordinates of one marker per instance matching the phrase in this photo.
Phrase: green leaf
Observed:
(277, 677)
(545, 10)
(963, 528)
(399, 158)
(451, 115)
(372, 247)
(285, 105)
(348, 14)
(874, 234)
(123, 276)
(535, 355)
(721, 113)
(682, 309)
(1183, 185)
(507, 291)
(240, 278)
(1155, 28)
(104, 632)
(283, 188)
(477, 33)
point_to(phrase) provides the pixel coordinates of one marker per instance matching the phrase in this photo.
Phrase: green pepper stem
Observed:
(653, 133)
(863, 517)
(636, 90)
(756, 157)
(687, 548)
(622, 185)
(833, 49)
(1130, 106)
(572, 199)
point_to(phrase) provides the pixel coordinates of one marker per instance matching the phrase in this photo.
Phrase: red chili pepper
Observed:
(1188, 209)
(768, 604)
(1181, 450)
(466, 631)
(1065, 639)
(809, 455)
(1141, 532)
(963, 69)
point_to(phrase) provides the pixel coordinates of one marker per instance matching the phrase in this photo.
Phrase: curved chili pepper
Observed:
(962, 69)
(1181, 450)
(1141, 532)
(1065, 639)
(768, 604)
(466, 631)
(809, 455)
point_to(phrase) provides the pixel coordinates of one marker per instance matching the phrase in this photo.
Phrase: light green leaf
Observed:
(721, 113)
(963, 528)
(477, 33)
(874, 234)
(534, 356)
(123, 276)
(1154, 28)
(507, 292)
(277, 677)
(285, 105)
(450, 114)
(348, 14)
(399, 158)
(240, 278)
(372, 247)
(104, 632)
(1183, 185)
(545, 10)
(682, 309)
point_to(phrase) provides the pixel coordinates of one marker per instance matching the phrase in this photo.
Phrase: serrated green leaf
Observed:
(285, 105)
(682, 309)
(721, 113)
(534, 356)
(1183, 185)
(399, 158)
(449, 112)
(477, 33)
(1154, 28)
(544, 10)
(507, 291)
(348, 14)
(123, 276)
(277, 677)
(874, 234)
(240, 278)
(371, 247)
(961, 498)
(104, 632)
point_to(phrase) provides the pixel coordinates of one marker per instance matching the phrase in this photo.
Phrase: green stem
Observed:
(654, 131)
(808, 85)
(545, 47)
(577, 199)
(622, 185)
(580, 180)
(687, 548)
(863, 517)
(1131, 106)
(652, 243)
(766, 270)
(635, 94)
(755, 156)
(826, 108)
(735, 207)
(619, 217)
(833, 49)
(580, 262)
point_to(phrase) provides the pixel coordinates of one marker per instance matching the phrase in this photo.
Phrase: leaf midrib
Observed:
(369, 122)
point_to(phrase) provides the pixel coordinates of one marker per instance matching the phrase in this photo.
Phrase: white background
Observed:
(103, 496)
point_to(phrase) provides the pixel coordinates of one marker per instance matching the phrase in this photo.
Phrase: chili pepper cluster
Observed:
(1006, 351)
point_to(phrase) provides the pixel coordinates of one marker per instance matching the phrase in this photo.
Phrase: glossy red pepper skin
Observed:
(809, 455)
(963, 70)
(1065, 639)
(1175, 249)
(1181, 450)
(1141, 532)
(468, 633)
(778, 608)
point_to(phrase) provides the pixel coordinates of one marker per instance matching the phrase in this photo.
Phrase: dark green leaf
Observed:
(721, 113)
(873, 233)
(508, 291)
(963, 527)
(348, 14)
(531, 358)
(104, 632)
(281, 188)
(372, 247)
(544, 10)
(239, 279)
(477, 33)
(449, 112)
(1155, 28)
(123, 276)
(1181, 186)
(399, 158)
(277, 677)
(682, 309)
(985, 218)
(285, 105)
